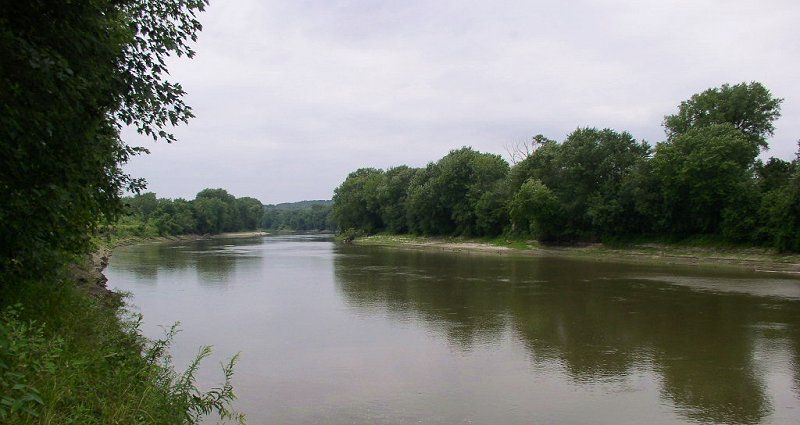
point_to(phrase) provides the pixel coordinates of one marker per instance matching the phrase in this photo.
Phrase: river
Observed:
(341, 334)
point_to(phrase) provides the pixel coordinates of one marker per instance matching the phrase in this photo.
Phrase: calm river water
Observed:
(344, 334)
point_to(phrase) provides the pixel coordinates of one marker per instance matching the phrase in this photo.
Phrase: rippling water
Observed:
(346, 334)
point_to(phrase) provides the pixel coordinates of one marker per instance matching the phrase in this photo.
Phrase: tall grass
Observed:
(68, 357)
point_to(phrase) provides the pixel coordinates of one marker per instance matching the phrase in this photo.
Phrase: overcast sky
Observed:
(291, 96)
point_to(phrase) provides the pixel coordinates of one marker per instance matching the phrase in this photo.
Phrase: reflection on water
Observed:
(343, 334)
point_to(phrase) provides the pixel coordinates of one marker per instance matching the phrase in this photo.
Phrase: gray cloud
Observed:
(291, 96)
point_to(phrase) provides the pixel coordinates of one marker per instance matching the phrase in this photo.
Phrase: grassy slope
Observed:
(690, 252)
(72, 355)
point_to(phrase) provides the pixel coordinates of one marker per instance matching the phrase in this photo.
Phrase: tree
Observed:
(539, 164)
(425, 214)
(519, 151)
(228, 218)
(220, 194)
(491, 209)
(601, 184)
(536, 211)
(392, 198)
(72, 74)
(299, 216)
(356, 202)
(750, 108)
(174, 217)
(143, 203)
(781, 210)
(780, 205)
(212, 215)
(590, 168)
(702, 174)
(773, 174)
(249, 213)
(444, 198)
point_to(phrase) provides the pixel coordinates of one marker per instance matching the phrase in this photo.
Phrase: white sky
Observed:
(291, 96)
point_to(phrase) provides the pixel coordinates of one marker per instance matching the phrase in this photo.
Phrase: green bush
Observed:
(535, 211)
(88, 364)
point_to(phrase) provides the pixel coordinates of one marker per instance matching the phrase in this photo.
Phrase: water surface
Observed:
(344, 334)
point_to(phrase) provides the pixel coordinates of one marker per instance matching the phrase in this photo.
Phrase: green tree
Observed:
(491, 209)
(72, 74)
(590, 169)
(536, 211)
(392, 197)
(212, 215)
(227, 220)
(272, 219)
(249, 212)
(538, 163)
(774, 174)
(426, 214)
(220, 194)
(174, 217)
(750, 108)
(356, 203)
(780, 205)
(305, 217)
(704, 175)
(781, 211)
(444, 198)
(144, 204)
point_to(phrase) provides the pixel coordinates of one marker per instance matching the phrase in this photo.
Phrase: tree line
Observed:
(211, 211)
(214, 211)
(304, 216)
(703, 181)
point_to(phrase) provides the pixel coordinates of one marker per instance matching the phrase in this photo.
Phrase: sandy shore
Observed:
(756, 259)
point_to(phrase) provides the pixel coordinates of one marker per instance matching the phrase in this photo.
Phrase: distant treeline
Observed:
(216, 211)
(303, 216)
(212, 211)
(703, 181)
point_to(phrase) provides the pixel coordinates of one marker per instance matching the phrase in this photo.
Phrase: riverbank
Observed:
(130, 240)
(757, 259)
(68, 355)
(71, 352)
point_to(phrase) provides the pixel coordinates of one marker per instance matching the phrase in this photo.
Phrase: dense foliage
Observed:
(212, 211)
(84, 364)
(216, 211)
(72, 74)
(303, 216)
(704, 181)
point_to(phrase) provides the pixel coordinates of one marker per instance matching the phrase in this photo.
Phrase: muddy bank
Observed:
(88, 274)
(756, 259)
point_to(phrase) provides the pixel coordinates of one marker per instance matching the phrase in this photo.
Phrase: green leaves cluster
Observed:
(749, 107)
(216, 211)
(212, 211)
(24, 351)
(88, 364)
(463, 193)
(315, 217)
(704, 180)
(72, 74)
